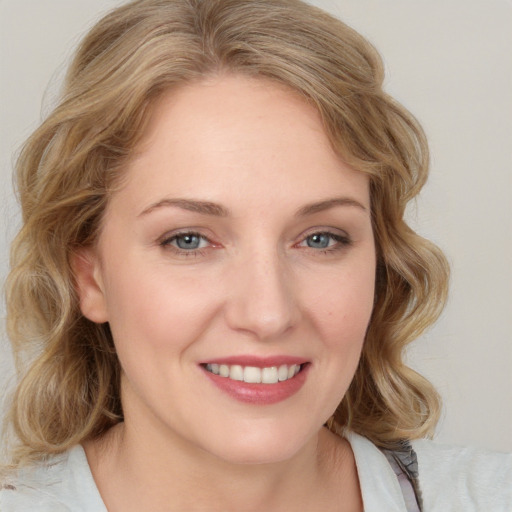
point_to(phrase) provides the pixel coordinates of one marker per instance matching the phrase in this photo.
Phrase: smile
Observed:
(253, 374)
(256, 380)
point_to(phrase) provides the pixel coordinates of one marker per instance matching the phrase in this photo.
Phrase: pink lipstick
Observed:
(257, 380)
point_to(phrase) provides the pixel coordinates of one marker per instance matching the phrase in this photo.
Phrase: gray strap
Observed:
(404, 462)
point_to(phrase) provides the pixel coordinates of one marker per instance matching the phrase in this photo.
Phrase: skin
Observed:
(258, 284)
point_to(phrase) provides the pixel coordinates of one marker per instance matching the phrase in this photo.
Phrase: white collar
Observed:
(379, 485)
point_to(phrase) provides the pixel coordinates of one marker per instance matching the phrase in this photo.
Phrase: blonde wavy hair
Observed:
(69, 375)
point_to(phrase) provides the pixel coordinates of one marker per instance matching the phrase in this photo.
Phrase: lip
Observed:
(257, 361)
(258, 394)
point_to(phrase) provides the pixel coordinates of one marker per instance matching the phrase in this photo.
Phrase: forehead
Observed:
(235, 132)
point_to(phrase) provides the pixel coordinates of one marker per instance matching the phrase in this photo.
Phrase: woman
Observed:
(224, 285)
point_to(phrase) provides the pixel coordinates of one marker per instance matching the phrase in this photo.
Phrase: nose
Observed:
(262, 300)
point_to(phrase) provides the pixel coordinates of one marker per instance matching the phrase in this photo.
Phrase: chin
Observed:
(261, 446)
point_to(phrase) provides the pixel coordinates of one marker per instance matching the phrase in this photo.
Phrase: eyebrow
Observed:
(320, 206)
(192, 205)
(217, 210)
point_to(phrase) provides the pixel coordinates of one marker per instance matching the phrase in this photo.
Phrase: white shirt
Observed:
(451, 479)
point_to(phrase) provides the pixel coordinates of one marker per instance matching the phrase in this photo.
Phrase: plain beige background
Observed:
(450, 63)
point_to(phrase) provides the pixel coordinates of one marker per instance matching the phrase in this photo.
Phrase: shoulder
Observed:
(40, 487)
(63, 483)
(380, 488)
(469, 479)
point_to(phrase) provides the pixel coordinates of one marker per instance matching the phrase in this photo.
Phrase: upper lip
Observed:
(257, 361)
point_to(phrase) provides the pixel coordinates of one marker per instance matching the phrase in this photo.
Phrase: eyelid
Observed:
(174, 233)
(165, 242)
(341, 237)
(317, 230)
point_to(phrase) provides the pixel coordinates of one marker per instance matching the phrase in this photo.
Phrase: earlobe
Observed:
(89, 285)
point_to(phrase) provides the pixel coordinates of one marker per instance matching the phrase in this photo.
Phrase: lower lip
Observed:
(259, 394)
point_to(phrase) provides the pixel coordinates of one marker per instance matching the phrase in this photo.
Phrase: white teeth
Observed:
(253, 374)
(269, 375)
(236, 372)
(283, 372)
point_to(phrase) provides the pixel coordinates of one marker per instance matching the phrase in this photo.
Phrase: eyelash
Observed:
(341, 242)
(167, 241)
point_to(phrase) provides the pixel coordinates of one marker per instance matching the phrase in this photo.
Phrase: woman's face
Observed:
(240, 246)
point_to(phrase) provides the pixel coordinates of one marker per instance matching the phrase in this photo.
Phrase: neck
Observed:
(184, 477)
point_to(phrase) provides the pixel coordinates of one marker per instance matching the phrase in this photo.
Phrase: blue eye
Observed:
(325, 241)
(319, 240)
(186, 242)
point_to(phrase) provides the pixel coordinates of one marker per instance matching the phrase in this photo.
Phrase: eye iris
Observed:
(188, 241)
(319, 241)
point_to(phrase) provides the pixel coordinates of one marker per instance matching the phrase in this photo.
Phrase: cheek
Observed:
(153, 309)
(343, 310)
(339, 314)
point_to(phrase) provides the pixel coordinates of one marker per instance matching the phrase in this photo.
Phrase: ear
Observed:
(89, 285)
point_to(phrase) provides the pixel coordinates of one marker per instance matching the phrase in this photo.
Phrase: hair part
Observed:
(69, 388)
